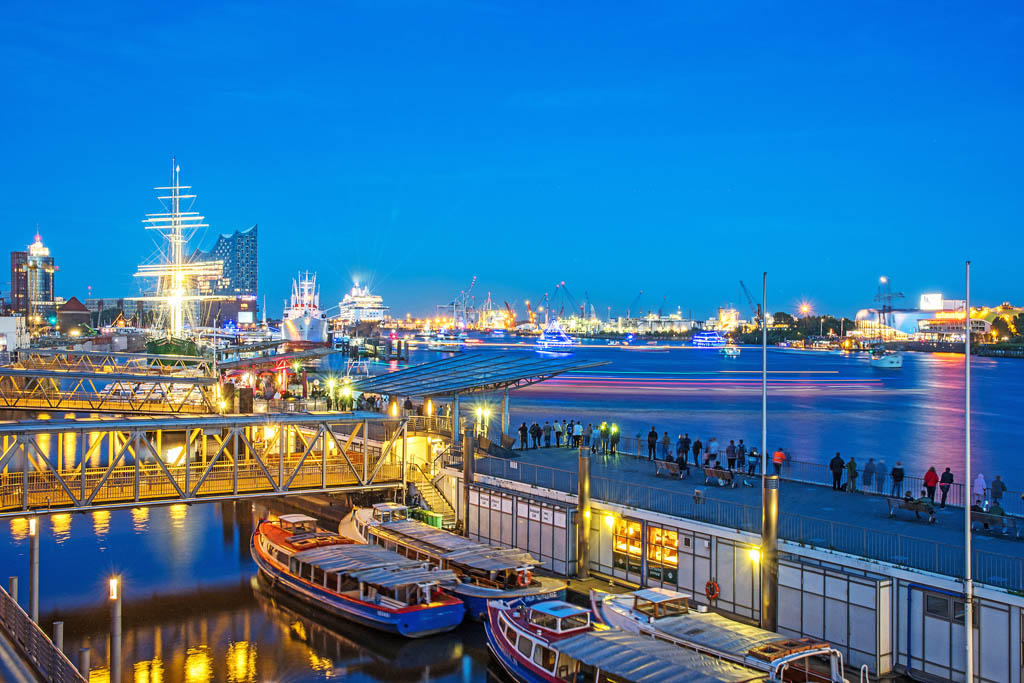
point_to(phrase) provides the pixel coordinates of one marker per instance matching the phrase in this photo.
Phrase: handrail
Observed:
(37, 648)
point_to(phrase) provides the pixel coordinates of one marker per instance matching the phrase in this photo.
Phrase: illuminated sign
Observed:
(949, 315)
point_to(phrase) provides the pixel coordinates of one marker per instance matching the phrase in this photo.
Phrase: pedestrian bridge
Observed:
(90, 463)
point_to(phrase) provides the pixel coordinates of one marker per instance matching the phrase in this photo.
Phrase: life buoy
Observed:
(524, 579)
(711, 590)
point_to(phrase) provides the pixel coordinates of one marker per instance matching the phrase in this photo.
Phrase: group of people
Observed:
(570, 434)
(708, 454)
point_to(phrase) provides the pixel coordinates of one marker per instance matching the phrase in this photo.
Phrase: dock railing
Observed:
(34, 645)
(1005, 571)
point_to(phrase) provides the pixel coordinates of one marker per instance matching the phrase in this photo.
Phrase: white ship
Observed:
(359, 306)
(303, 319)
(882, 358)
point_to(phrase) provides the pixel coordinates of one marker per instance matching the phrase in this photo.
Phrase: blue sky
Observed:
(673, 148)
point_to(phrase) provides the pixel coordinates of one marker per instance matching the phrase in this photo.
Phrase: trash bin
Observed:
(434, 519)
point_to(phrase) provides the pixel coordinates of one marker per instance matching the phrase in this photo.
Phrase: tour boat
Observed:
(555, 642)
(369, 585)
(708, 340)
(485, 572)
(667, 615)
(882, 358)
(554, 338)
(730, 351)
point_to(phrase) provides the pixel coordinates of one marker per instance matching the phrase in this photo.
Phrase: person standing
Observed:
(778, 457)
(577, 434)
(880, 475)
(998, 489)
(712, 450)
(547, 434)
(897, 479)
(931, 480)
(666, 445)
(741, 455)
(680, 455)
(652, 442)
(836, 464)
(980, 487)
(686, 444)
(730, 455)
(697, 448)
(851, 475)
(523, 434)
(567, 433)
(604, 437)
(869, 474)
(588, 434)
(753, 460)
(614, 438)
(945, 481)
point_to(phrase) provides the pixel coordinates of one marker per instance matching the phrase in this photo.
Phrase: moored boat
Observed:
(667, 615)
(369, 585)
(555, 642)
(485, 572)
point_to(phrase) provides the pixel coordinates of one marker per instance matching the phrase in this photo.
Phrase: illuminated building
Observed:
(237, 253)
(32, 283)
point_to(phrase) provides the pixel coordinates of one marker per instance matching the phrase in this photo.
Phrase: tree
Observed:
(1018, 325)
(1001, 329)
(783, 318)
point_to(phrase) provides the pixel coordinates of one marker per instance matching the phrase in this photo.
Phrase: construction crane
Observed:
(633, 303)
(510, 320)
(755, 309)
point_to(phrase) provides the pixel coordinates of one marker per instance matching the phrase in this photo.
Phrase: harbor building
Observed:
(32, 292)
(72, 315)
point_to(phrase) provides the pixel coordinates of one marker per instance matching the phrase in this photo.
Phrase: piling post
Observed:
(455, 419)
(115, 629)
(770, 553)
(12, 587)
(583, 516)
(33, 569)
(83, 662)
(58, 635)
(468, 466)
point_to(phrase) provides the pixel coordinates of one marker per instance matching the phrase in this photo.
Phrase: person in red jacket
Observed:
(931, 480)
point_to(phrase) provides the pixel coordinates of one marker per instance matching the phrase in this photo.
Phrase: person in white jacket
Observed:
(979, 488)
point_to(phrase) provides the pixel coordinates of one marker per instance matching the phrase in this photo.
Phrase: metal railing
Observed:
(49, 662)
(996, 569)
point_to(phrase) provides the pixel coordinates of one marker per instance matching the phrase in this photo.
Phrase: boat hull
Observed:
(888, 361)
(305, 328)
(476, 598)
(411, 623)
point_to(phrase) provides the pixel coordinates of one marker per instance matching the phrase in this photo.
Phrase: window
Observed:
(525, 646)
(663, 547)
(544, 658)
(936, 606)
(627, 545)
(544, 620)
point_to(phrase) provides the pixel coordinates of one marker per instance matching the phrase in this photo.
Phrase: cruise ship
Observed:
(359, 306)
(303, 319)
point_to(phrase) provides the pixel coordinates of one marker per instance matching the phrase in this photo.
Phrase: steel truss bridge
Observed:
(113, 361)
(106, 392)
(87, 464)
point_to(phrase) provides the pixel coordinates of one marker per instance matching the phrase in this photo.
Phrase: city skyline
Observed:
(614, 153)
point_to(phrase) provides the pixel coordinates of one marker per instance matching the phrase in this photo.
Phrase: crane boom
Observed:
(754, 308)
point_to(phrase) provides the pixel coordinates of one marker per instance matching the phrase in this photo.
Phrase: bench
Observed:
(987, 519)
(717, 474)
(669, 467)
(912, 505)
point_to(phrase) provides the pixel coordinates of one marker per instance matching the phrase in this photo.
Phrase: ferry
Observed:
(555, 642)
(667, 615)
(485, 572)
(730, 351)
(709, 340)
(882, 358)
(554, 338)
(369, 585)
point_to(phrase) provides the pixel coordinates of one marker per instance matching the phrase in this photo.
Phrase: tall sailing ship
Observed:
(303, 320)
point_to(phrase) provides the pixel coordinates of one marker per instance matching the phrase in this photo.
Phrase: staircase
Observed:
(432, 497)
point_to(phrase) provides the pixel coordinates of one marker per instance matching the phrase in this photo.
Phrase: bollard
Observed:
(468, 464)
(12, 587)
(583, 516)
(115, 629)
(770, 553)
(58, 635)
(33, 569)
(83, 662)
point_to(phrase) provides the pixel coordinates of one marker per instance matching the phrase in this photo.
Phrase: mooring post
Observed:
(770, 553)
(83, 662)
(583, 516)
(58, 635)
(468, 464)
(33, 568)
(12, 587)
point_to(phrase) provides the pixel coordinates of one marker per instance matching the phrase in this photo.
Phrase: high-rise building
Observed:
(32, 283)
(238, 254)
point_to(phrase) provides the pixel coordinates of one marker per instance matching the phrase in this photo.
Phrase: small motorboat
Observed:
(668, 616)
(485, 572)
(730, 351)
(369, 585)
(555, 642)
(884, 358)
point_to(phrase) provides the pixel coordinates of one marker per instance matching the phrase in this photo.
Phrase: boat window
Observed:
(575, 621)
(547, 621)
(317, 576)
(525, 646)
(566, 668)
(544, 658)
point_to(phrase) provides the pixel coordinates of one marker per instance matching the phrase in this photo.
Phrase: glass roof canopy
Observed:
(471, 374)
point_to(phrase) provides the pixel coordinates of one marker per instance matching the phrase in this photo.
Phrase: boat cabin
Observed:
(297, 524)
(660, 602)
(556, 616)
(385, 513)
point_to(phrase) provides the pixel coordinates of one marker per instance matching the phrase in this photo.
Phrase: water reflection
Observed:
(140, 519)
(61, 523)
(101, 523)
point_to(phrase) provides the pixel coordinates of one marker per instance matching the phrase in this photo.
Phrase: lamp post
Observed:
(330, 393)
(115, 628)
(33, 568)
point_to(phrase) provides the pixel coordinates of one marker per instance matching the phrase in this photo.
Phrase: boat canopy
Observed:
(643, 659)
(659, 595)
(374, 565)
(457, 548)
(715, 632)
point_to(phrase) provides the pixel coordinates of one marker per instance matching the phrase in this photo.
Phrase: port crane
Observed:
(755, 309)
(885, 297)
(633, 304)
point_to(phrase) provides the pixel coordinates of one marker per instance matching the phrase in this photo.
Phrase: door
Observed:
(937, 638)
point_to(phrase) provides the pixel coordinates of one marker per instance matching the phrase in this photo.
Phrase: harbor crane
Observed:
(633, 304)
(755, 309)
(885, 297)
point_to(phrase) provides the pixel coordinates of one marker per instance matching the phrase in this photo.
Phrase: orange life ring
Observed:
(524, 579)
(711, 590)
